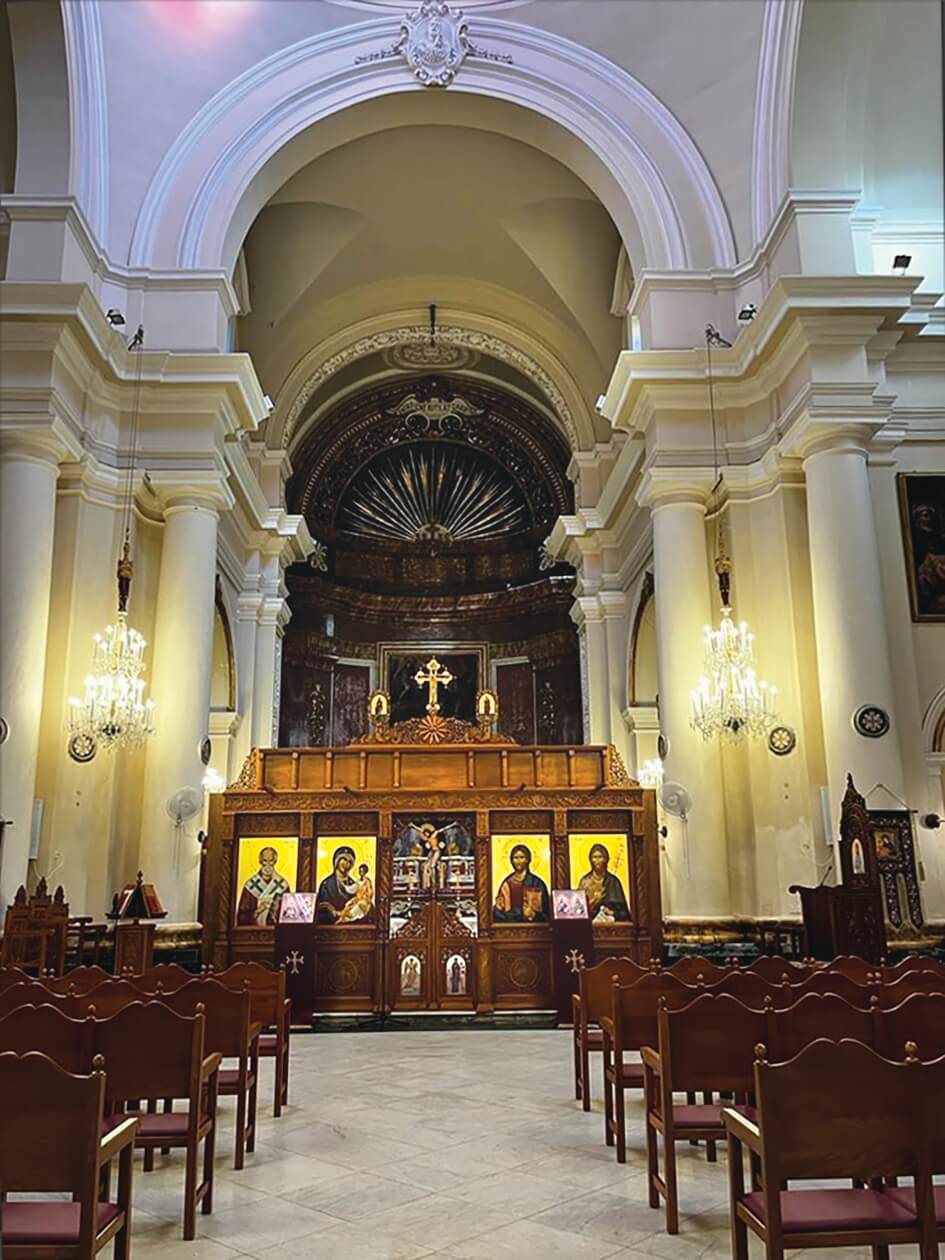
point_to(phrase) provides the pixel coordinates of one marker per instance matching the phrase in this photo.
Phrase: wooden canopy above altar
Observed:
(434, 865)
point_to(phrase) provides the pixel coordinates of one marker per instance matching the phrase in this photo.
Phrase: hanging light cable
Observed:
(114, 712)
(729, 700)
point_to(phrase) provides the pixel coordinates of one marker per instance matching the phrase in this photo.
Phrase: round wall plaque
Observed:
(4, 730)
(82, 748)
(871, 721)
(662, 747)
(205, 750)
(781, 740)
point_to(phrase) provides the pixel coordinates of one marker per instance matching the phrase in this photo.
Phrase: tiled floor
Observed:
(459, 1144)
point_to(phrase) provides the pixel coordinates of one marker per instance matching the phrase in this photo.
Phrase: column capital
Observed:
(814, 435)
(37, 444)
(662, 487)
(586, 611)
(206, 491)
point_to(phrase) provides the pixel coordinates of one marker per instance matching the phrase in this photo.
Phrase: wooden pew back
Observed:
(150, 1051)
(49, 1031)
(709, 1045)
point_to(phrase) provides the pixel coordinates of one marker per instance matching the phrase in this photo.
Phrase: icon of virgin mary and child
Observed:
(342, 898)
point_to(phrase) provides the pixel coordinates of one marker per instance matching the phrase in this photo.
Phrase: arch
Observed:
(591, 115)
(642, 676)
(223, 681)
(774, 111)
(503, 341)
(61, 107)
(933, 724)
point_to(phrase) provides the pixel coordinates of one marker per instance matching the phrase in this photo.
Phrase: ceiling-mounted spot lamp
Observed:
(728, 700)
(902, 263)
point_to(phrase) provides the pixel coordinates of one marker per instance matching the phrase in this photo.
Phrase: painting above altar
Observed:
(465, 669)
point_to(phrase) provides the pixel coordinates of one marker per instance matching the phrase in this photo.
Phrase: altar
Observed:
(430, 852)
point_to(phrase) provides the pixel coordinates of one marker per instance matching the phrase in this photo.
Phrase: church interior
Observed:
(472, 649)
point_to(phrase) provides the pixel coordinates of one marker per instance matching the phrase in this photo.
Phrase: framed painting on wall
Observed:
(345, 876)
(399, 663)
(599, 866)
(922, 509)
(267, 868)
(521, 877)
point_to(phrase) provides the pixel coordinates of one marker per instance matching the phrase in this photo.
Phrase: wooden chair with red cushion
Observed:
(32, 993)
(914, 962)
(853, 967)
(693, 969)
(272, 1009)
(151, 1054)
(751, 989)
(919, 1018)
(828, 982)
(822, 1016)
(166, 976)
(630, 1026)
(707, 1047)
(51, 1141)
(66, 1041)
(779, 970)
(13, 975)
(897, 991)
(232, 1033)
(108, 998)
(838, 1111)
(589, 1006)
(80, 980)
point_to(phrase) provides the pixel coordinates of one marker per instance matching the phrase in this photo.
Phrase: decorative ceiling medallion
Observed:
(434, 42)
(782, 740)
(205, 749)
(432, 492)
(871, 721)
(82, 748)
(421, 356)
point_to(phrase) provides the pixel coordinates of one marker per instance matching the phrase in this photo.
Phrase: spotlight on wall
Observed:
(114, 317)
(599, 405)
(270, 405)
(931, 821)
(747, 313)
(901, 263)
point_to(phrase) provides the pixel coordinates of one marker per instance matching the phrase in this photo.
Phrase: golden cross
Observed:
(437, 675)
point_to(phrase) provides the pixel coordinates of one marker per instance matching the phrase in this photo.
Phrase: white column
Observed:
(696, 866)
(28, 472)
(592, 636)
(267, 673)
(181, 676)
(849, 617)
(614, 606)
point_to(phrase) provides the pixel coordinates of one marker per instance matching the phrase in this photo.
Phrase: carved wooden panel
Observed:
(342, 823)
(522, 976)
(268, 825)
(515, 687)
(599, 820)
(558, 702)
(525, 820)
(344, 976)
(349, 703)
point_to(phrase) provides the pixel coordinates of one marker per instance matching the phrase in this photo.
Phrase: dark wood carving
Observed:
(349, 703)
(516, 691)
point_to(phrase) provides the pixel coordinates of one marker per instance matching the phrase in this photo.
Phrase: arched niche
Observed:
(223, 675)
(642, 685)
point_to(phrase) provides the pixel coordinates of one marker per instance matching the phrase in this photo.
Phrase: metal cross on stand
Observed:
(294, 962)
(437, 676)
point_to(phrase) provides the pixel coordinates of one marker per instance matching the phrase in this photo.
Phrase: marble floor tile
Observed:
(459, 1144)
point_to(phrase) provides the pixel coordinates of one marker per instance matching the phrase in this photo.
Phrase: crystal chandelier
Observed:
(114, 712)
(729, 699)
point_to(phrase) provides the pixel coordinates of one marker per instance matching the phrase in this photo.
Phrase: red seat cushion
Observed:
(707, 1115)
(905, 1197)
(632, 1074)
(229, 1080)
(268, 1045)
(171, 1124)
(48, 1224)
(595, 1039)
(819, 1211)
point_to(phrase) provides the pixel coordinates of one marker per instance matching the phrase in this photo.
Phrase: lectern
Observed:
(847, 918)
